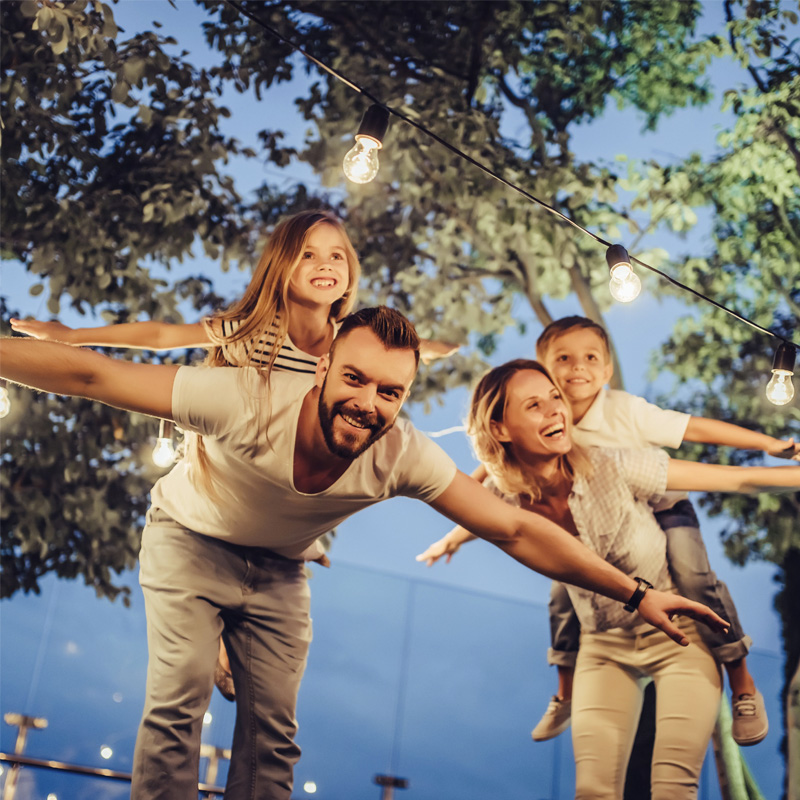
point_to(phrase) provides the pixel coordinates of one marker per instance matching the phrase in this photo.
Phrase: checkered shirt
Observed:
(613, 517)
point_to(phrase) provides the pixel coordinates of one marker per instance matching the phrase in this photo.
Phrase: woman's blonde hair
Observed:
(488, 406)
(261, 311)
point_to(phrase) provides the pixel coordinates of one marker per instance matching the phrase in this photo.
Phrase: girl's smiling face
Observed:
(536, 420)
(321, 276)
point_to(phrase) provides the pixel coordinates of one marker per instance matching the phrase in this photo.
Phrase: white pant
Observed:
(610, 675)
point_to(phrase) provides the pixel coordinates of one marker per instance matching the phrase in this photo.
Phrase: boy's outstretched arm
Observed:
(547, 548)
(692, 476)
(135, 335)
(714, 431)
(58, 368)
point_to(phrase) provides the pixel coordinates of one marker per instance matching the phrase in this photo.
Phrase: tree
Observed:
(114, 175)
(752, 185)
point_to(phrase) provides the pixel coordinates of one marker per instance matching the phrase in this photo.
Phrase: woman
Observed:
(521, 431)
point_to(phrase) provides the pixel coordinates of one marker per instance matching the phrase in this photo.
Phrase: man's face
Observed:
(363, 389)
(578, 360)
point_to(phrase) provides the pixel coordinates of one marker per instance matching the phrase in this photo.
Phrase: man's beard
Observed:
(350, 446)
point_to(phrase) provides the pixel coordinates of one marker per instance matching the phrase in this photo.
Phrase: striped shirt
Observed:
(243, 352)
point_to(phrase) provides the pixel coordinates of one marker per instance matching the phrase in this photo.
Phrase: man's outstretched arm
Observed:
(61, 369)
(547, 548)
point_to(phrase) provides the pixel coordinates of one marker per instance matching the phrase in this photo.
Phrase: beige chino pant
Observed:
(611, 673)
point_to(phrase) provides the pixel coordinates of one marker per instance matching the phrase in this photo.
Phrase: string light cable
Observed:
(612, 251)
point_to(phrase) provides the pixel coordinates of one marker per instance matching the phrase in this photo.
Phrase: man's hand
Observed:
(658, 608)
(44, 331)
(784, 449)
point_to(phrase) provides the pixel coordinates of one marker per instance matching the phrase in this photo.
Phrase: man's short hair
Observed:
(561, 326)
(393, 330)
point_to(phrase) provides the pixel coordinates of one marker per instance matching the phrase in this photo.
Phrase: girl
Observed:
(303, 286)
(521, 431)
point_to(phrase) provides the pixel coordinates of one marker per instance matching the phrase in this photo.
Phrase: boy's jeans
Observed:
(693, 577)
(194, 586)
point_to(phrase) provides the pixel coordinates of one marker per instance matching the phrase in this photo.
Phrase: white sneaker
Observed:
(554, 721)
(750, 724)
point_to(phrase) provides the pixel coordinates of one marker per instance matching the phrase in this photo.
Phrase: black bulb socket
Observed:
(374, 123)
(784, 357)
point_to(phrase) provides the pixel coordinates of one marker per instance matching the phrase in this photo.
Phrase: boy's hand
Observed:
(44, 331)
(784, 449)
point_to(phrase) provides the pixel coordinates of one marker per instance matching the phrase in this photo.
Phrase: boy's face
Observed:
(579, 361)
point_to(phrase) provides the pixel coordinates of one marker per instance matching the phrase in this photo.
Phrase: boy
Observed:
(576, 351)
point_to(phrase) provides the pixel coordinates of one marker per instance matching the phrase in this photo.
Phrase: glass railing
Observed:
(407, 678)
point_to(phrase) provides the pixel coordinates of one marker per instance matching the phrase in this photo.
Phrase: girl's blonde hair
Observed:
(488, 406)
(261, 311)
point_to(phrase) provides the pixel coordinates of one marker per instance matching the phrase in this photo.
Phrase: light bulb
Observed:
(625, 284)
(5, 402)
(780, 389)
(163, 453)
(361, 162)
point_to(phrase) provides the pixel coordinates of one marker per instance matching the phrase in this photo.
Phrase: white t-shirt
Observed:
(249, 437)
(619, 419)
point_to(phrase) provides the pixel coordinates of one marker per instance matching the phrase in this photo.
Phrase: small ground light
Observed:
(310, 787)
(106, 752)
(207, 717)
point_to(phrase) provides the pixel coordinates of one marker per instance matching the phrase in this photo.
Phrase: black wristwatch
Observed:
(637, 596)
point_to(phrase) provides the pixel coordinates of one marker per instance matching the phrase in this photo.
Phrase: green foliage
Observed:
(752, 186)
(111, 151)
(114, 174)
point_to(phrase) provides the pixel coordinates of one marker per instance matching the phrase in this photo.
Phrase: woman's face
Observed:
(321, 276)
(536, 419)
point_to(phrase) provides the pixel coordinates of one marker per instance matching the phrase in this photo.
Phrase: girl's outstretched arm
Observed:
(691, 476)
(138, 335)
(430, 350)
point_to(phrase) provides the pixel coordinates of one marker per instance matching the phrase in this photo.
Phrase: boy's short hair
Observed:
(561, 326)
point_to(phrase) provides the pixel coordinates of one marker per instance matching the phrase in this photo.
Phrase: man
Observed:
(282, 461)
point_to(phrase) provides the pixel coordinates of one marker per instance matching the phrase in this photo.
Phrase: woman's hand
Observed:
(658, 608)
(444, 547)
(44, 331)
